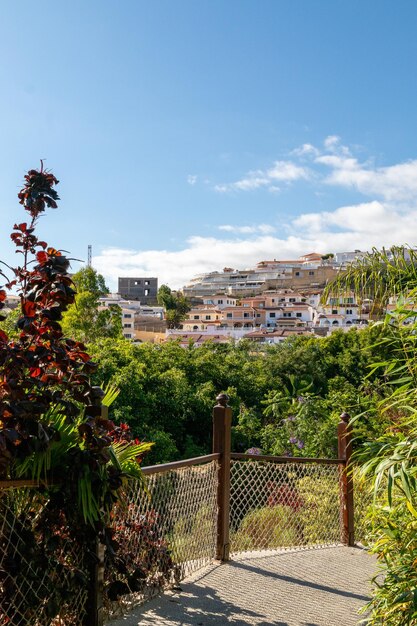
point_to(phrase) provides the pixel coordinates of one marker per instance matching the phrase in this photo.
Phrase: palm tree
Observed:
(378, 276)
(390, 462)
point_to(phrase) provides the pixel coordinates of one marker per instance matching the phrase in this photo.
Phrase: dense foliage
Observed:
(85, 320)
(286, 399)
(389, 460)
(175, 305)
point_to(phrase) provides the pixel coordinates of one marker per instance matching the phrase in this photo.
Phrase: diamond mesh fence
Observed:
(276, 505)
(167, 534)
(363, 501)
(164, 534)
(37, 568)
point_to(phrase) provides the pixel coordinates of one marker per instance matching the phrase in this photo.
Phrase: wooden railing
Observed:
(281, 492)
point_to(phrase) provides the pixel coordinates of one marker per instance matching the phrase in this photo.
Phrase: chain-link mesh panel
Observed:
(363, 500)
(33, 580)
(164, 535)
(275, 505)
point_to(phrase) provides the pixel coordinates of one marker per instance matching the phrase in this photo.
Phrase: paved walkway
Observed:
(323, 587)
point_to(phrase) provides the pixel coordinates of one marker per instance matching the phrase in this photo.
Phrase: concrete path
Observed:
(323, 587)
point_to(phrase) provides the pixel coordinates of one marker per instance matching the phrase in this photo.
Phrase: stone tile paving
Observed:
(323, 587)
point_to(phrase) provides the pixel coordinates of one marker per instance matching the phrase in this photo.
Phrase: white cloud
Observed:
(386, 216)
(347, 228)
(307, 149)
(246, 230)
(191, 179)
(283, 171)
(331, 142)
(395, 183)
(367, 218)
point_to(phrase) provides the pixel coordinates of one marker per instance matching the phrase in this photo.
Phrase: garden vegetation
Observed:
(286, 400)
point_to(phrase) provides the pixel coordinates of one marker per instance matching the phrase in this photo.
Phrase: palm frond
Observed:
(111, 392)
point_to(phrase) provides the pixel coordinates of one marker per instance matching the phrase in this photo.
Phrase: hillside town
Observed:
(265, 304)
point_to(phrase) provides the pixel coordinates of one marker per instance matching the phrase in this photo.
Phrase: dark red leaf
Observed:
(42, 257)
(29, 308)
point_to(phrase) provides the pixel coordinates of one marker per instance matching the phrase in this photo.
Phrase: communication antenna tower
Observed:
(90, 252)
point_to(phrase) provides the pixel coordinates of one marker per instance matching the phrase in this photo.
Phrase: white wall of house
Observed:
(220, 302)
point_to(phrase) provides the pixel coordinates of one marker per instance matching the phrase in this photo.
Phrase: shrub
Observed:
(269, 527)
(319, 514)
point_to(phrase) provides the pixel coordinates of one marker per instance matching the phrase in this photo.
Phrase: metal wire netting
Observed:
(363, 500)
(168, 533)
(276, 505)
(37, 568)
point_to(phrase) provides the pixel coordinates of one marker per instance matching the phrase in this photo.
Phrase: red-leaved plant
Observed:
(41, 369)
(47, 404)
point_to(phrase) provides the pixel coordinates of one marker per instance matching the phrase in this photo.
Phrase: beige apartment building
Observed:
(309, 271)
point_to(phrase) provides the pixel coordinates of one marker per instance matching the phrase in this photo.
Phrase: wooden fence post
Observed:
(222, 426)
(95, 610)
(347, 527)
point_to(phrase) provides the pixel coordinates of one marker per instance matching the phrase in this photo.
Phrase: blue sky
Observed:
(193, 134)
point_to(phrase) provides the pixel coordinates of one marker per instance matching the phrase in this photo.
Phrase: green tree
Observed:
(165, 297)
(86, 320)
(88, 279)
(176, 306)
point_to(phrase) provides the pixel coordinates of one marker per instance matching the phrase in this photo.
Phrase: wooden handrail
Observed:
(287, 459)
(167, 467)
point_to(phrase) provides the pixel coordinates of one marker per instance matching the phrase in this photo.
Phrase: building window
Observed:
(128, 336)
(291, 300)
(220, 302)
(273, 299)
(127, 325)
(126, 315)
(229, 315)
(246, 315)
(311, 273)
(334, 311)
(196, 317)
(297, 273)
(272, 315)
(298, 314)
(349, 312)
(147, 282)
(146, 292)
(137, 282)
(195, 327)
(258, 315)
(208, 317)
